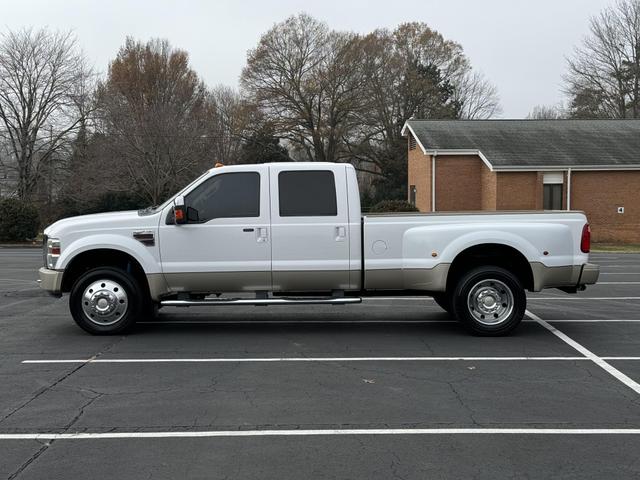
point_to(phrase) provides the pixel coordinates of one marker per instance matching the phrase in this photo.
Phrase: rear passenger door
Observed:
(309, 228)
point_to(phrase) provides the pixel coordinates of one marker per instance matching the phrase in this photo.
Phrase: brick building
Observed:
(589, 165)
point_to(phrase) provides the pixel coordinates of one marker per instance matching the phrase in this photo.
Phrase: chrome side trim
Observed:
(260, 301)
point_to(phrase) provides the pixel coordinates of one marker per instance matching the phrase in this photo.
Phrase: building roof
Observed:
(534, 144)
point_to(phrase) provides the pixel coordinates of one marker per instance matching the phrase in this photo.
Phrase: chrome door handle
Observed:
(262, 235)
(341, 234)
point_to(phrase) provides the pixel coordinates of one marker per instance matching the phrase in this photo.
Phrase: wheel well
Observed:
(102, 257)
(491, 254)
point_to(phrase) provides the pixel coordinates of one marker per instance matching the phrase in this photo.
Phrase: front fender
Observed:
(143, 254)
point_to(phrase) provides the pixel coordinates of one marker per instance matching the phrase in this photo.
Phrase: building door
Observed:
(552, 191)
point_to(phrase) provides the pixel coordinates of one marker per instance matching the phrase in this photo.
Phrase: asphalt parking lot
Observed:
(391, 388)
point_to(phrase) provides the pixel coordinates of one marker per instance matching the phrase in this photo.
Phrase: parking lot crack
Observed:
(61, 379)
(463, 403)
(30, 460)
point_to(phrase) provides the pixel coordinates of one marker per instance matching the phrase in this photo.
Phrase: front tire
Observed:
(489, 301)
(106, 301)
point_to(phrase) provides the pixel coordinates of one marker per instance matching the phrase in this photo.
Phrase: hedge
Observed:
(18, 220)
(393, 206)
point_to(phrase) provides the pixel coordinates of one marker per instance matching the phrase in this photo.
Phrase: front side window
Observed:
(307, 193)
(227, 195)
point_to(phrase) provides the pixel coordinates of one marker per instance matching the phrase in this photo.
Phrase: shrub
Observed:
(393, 206)
(18, 220)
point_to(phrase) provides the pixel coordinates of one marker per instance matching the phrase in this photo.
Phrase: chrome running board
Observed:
(261, 301)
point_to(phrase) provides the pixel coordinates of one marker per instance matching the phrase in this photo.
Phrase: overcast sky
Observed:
(519, 45)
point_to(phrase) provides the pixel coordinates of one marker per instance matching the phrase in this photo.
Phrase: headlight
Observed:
(52, 252)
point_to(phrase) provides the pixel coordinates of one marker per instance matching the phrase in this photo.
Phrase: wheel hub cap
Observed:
(490, 302)
(104, 302)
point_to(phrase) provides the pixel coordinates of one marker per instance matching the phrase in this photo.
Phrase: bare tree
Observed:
(232, 118)
(476, 96)
(307, 80)
(154, 118)
(41, 73)
(412, 71)
(547, 112)
(604, 74)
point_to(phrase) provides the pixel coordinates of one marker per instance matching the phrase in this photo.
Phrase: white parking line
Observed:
(325, 432)
(302, 359)
(583, 298)
(588, 353)
(372, 299)
(620, 273)
(606, 320)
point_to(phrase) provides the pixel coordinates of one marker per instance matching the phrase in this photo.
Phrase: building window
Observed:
(552, 191)
(412, 195)
(412, 142)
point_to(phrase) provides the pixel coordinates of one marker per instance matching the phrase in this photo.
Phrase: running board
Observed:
(261, 301)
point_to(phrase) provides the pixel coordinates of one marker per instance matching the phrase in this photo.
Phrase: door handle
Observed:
(341, 234)
(247, 229)
(262, 235)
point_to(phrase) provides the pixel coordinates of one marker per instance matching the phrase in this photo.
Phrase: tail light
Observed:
(585, 241)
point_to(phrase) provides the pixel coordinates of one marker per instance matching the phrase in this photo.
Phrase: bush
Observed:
(18, 220)
(386, 206)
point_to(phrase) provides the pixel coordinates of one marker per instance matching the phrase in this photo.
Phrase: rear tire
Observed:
(107, 301)
(489, 301)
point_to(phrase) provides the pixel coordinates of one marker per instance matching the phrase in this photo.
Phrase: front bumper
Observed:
(51, 280)
(589, 274)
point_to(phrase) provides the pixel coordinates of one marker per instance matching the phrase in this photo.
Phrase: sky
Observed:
(520, 46)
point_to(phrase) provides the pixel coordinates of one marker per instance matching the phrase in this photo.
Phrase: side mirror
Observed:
(179, 211)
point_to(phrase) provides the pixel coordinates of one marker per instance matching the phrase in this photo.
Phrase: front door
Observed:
(226, 246)
(309, 228)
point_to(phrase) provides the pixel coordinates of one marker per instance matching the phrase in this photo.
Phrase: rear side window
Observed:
(307, 193)
(228, 195)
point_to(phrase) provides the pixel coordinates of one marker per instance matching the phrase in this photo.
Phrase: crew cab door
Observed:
(309, 228)
(228, 247)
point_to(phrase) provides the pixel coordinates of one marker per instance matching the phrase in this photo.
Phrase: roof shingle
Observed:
(537, 143)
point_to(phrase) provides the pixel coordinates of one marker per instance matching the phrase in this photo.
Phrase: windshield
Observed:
(156, 208)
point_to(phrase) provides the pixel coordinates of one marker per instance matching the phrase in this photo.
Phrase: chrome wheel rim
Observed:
(104, 302)
(490, 302)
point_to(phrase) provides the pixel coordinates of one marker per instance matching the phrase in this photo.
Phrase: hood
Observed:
(98, 221)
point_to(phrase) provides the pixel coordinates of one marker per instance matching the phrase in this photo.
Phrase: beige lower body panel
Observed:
(428, 279)
(284, 281)
(218, 281)
(550, 277)
(312, 280)
(50, 280)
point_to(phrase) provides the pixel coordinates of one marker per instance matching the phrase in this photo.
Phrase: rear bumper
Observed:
(51, 280)
(589, 274)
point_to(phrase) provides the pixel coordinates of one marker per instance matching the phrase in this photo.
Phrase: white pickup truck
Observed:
(293, 233)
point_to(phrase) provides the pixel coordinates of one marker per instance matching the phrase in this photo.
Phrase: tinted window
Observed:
(306, 193)
(226, 195)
